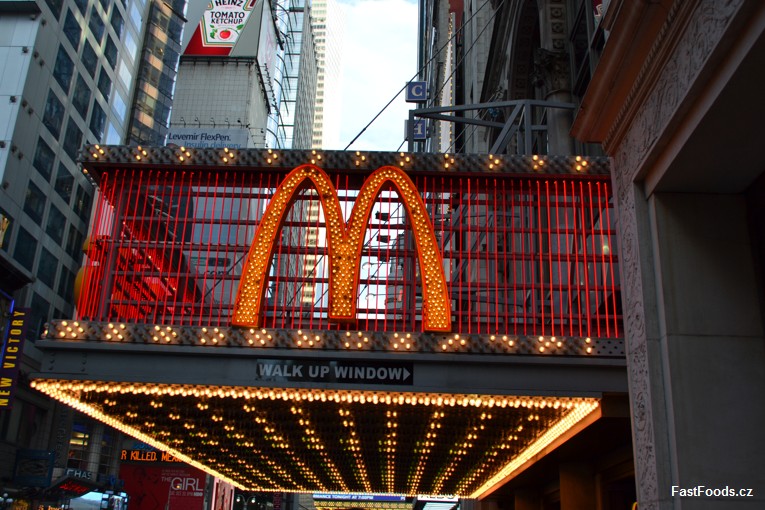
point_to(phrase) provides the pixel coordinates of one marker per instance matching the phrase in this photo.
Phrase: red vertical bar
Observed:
(611, 238)
(453, 254)
(593, 256)
(487, 238)
(578, 254)
(585, 264)
(494, 191)
(549, 258)
(162, 248)
(539, 310)
(526, 255)
(205, 218)
(569, 270)
(469, 214)
(90, 273)
(561, 315)
(131, 240)
(506, 246)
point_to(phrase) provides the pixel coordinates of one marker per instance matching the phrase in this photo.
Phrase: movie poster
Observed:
(158, 487)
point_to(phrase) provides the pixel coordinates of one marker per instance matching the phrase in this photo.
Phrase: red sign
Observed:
(163, 487)
(221, 24)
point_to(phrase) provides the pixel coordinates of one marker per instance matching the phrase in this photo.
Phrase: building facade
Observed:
(69, 74)
(657, 88)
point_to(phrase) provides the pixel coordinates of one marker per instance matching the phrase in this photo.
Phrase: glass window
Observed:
(34, 203)
(113, 136)
(130, 44)
(53, 114)
(56, 225)
(63, 69)
(64, 183)
(135, 14)
(125, 75)
(72, 139)
(74, 243)
(119, 107)
(96, 24)
(81, 96)
(55, 7)
(72, 30)
(48, 267)
(97, 121)
(6, 227)
(82, 5)
(117, 22)
(66, 285)
(38, 317)
(89, 58)
(44, 159)
(25, 248)
(110, 52)
(82, 203)
(104, 84)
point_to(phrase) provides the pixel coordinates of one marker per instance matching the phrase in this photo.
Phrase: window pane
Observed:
(82, 203)
(72, 30)
(55, 7)
(63, 70)
(89, 58)
(44, 159)
(66, 285)
(48, 268)
(81, 5)
(130, 44)
(81, 96)
(96, 24)
(25, 248)
(56, 225)
(104, 84)
(6, 227)
(119, 107)
(53, 114)
(34, 203)
(110, 52)
(74, 243)
(117, 22)
(97, 122)
(64, 182)
(72, 139)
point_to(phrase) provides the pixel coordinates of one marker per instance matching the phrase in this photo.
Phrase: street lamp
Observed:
(246, 500)
(5, 500)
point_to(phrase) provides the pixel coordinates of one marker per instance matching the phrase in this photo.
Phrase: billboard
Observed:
(208, 137)
(221, 26)
(157, 486)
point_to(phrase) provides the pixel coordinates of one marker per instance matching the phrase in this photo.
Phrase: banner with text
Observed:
(13, 346)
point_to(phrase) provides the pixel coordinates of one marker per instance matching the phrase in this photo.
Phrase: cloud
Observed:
(379, 57)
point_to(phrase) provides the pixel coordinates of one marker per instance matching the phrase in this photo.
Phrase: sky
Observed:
(379, 56)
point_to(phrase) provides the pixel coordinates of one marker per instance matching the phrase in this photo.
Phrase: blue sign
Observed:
(419, 129)
(416, 92)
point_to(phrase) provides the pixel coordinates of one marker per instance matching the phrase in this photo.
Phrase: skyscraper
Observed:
(328, 27)
(68, 73)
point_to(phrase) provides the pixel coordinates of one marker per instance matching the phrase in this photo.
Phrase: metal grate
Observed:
(522, 254)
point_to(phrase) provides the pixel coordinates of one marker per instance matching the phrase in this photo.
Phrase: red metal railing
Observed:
(522, 255)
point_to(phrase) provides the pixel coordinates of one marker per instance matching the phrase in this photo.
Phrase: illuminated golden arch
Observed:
(345, 242)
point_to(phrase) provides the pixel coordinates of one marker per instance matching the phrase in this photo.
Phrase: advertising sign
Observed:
(208, 138)
(220, 27)
(13, 345)
(173, 487)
